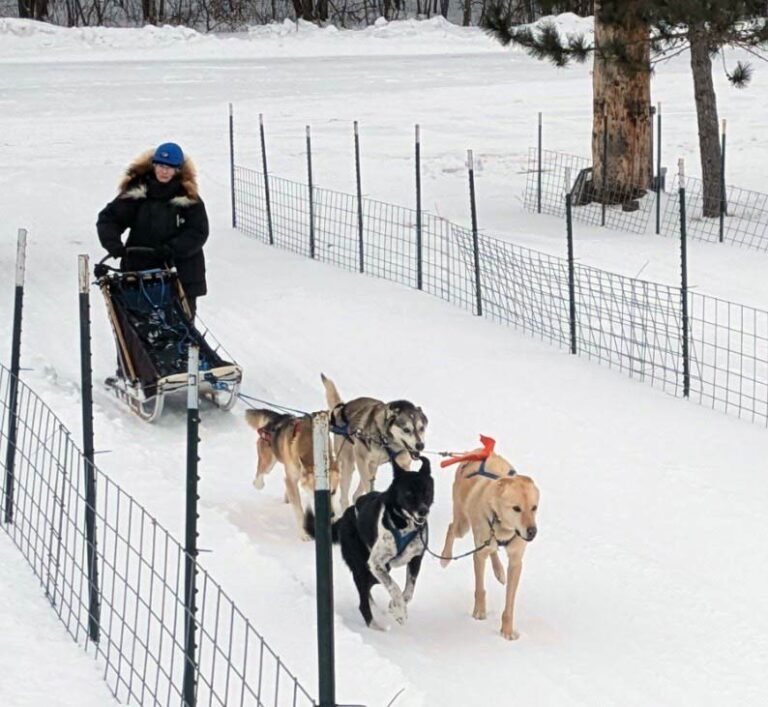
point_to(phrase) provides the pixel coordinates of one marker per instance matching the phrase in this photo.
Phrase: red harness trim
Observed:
(488, 445)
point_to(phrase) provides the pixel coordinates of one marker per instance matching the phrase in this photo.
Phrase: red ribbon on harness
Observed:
(488, 444)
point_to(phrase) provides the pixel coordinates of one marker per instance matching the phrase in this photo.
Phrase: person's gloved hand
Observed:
(117, 251)
(100, 270)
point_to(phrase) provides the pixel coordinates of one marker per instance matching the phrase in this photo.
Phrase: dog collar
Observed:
(500, 543)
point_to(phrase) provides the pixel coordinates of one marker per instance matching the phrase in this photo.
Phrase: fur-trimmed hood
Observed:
(133, 185)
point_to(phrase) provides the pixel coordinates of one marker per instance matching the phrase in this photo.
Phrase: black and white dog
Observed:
(383, 530)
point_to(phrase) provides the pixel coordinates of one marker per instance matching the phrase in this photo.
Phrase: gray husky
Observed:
(369, 433)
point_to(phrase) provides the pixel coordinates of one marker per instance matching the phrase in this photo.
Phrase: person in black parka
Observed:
(158, 201)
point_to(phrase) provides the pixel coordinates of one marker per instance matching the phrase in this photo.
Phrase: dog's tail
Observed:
(309, 526)
(259, 418)
(331, 393)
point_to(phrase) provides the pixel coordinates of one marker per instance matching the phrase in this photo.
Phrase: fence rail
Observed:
(630, 324)
(141, 569)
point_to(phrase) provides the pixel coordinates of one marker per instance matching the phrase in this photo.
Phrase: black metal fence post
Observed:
(723, 200)
(571, 265)
(190, 545)
(604, 197)
(658, 170)
(684, 286)
(359, 182)
(419, 245)
(266, 180)
(323, 563)
(475, 237)
(311, 197)
(538, 179)
(86, 385)
(232, 165)
(13, 383)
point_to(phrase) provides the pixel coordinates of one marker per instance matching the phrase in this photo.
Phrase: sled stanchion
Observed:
(419, 246)
(189, 697)
(684, 284)
(86, 393)
(658, 171)
(359, 181)
(267, 200)
(311, 197)
(232, 165)
(326, 667)
(571, 266)
(723, 200)
(13, 383)
(475, 237)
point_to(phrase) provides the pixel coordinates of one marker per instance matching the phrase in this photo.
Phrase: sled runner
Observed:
(153, 330)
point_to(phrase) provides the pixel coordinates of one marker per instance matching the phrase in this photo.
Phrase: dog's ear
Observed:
(397, 469)
(393, 410)
(426, 466)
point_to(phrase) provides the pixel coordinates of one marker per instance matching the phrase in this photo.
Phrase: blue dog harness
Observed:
(482, 471)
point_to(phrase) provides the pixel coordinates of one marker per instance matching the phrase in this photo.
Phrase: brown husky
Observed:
(370, 433)
(288, 439)
(500, 508)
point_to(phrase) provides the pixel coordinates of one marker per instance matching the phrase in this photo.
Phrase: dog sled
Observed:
(153, 330)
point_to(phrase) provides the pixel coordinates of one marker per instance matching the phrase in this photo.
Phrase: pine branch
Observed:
(741, 75)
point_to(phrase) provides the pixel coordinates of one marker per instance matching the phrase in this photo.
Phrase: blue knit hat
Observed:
(168, 153)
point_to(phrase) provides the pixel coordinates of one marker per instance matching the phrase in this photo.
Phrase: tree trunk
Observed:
(706, 112)
(622, 95)
(466, 17)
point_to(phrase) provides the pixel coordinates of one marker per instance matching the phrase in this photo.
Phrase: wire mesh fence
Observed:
(630, 324)
(621, 209)
(744, 220)
(736, 217)
(141, 569)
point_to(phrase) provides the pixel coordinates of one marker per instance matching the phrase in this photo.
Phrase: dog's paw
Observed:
(376, 626)
(399, 611)
(479, 613)
(258, 482)
(445, 562)
(305, 537)
(509, 634)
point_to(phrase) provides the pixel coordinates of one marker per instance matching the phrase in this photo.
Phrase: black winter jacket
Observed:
(168, 218)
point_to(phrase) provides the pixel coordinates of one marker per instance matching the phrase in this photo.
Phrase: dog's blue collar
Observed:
(482, 471)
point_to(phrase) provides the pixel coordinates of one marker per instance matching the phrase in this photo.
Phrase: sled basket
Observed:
(153, 331)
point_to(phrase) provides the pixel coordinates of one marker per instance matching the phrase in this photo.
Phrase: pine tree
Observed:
(702, 27)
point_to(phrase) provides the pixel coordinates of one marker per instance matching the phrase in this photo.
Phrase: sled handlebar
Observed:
(102, 268)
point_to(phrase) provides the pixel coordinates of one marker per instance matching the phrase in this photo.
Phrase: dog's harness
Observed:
(482, 471)
(403, 540)
(267, 432)
(343, 430)
(340, 429)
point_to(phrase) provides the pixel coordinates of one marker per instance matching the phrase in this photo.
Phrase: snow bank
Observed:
(24, 40)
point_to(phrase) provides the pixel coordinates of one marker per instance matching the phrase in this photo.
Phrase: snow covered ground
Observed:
(646, 585)
(39, 663)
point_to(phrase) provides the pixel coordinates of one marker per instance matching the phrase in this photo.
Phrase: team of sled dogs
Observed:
(382, 530)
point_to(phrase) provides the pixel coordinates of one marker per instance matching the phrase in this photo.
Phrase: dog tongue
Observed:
(488, 445)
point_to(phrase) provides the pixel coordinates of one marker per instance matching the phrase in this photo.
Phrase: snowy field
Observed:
(646, 585)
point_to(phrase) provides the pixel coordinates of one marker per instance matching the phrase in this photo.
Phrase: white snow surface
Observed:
(646, 585)
(39, 663)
